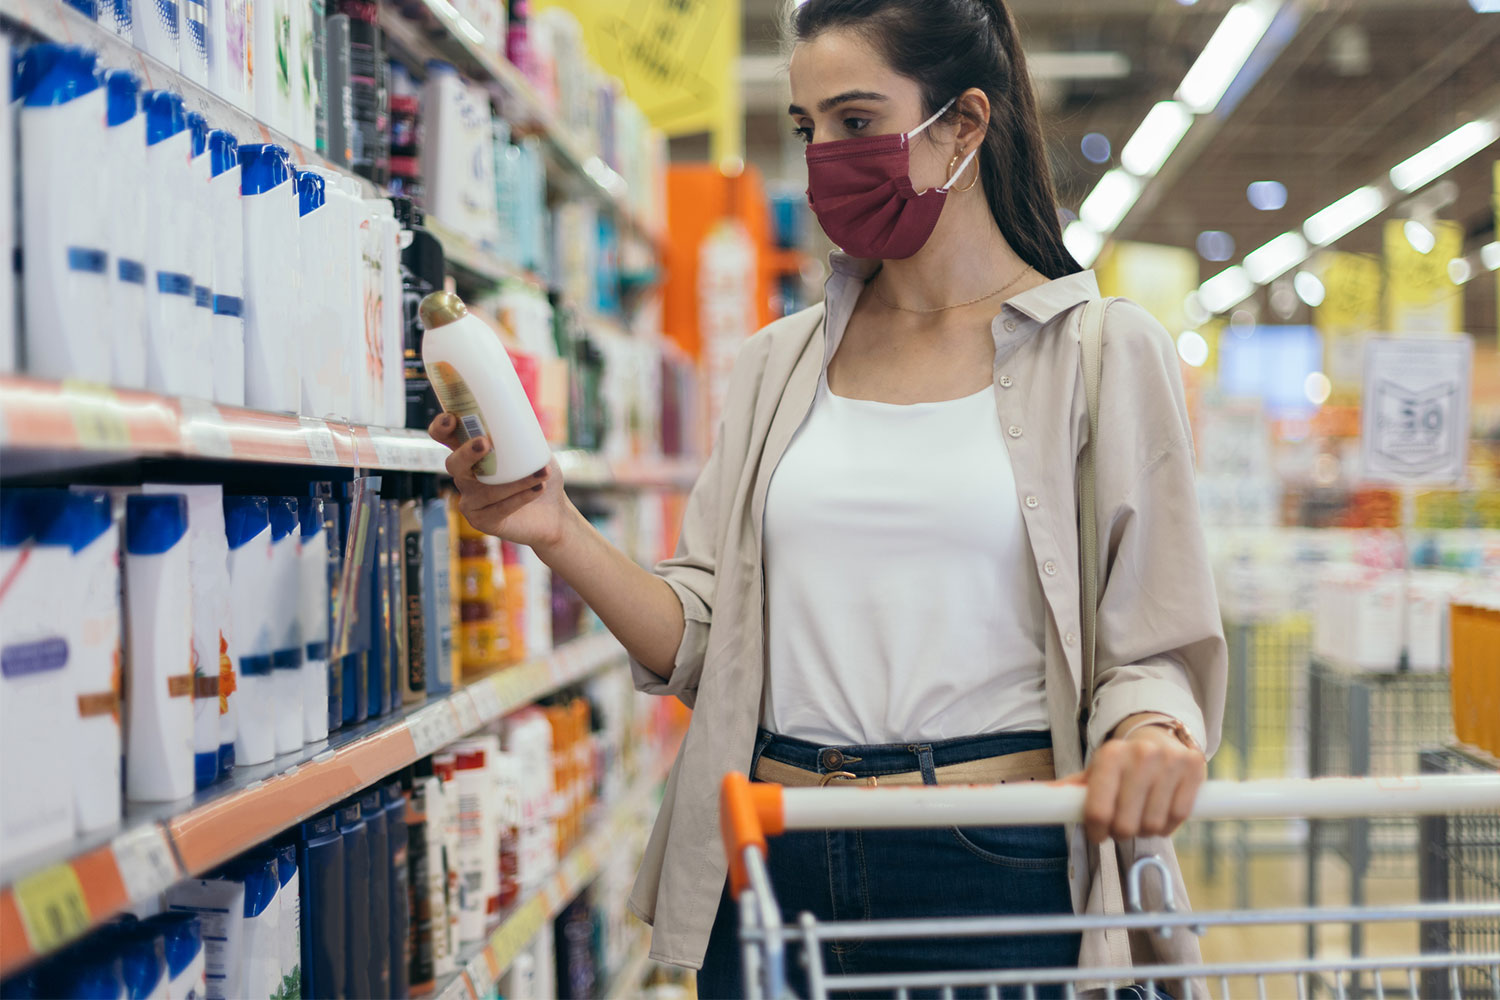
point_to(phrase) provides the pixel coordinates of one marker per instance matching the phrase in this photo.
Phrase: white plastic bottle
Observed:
(475, 381)
(84, 523)
(193, 46)
(342, 266)
(228, 236)
(247, 527)
(323, 363)
(208, 569)
(8, 358)
(286, 624)
(159, 630)
(117, 16)
(64, 228)
(125, 145)
(157, 28)
(229, 52)
(388, 401)
(169, 247)
(312, 596)
(272, 358)
(271, 43)
(458, 163)
(200, 225)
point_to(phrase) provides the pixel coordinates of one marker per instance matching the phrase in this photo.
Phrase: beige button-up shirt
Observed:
(1160, 641)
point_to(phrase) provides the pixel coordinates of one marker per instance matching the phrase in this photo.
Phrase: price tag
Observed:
(319, 440)
(487, 700)
(478, 971)
(97, 419)
(145, 861)
(204, 430)
(466, 712)
(432, 728)
(53, 907)
(385, 448)
(517, 932)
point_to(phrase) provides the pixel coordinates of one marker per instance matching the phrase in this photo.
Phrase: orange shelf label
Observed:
(52, 907)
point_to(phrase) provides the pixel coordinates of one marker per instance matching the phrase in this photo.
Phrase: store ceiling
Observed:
(1359, 86)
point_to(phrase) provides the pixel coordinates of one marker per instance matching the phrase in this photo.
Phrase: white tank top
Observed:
(902, 599)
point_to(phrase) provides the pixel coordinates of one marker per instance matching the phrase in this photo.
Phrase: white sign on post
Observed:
(1415, 420)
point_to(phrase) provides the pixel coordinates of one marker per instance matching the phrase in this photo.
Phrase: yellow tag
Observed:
(52, 907)
(96, 416)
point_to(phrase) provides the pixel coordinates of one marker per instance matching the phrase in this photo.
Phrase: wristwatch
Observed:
(1166, 722)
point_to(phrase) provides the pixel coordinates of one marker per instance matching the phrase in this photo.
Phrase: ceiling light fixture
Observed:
(1445, 154)
(1489, 256)
(1460, 270)
(1271, 261)
(1226, 54)
(1159, 133)
(1309, 288)
(1344, 216)
(1192, 348)
(1110, 200)
(1084, 242)
(1419, 236)
(1226, 290)
(1267, 196)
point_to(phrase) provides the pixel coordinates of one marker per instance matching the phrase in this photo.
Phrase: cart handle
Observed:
(750, 812)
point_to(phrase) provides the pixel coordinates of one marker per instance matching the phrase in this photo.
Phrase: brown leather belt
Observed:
(1025, 765)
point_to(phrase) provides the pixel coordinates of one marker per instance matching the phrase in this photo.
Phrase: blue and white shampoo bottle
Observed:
(125, 152)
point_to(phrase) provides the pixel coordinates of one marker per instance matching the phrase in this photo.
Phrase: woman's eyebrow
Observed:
(844, 98)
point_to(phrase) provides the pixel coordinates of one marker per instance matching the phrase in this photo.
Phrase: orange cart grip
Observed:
(747, 813)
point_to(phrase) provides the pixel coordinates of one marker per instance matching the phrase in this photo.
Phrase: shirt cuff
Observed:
(687, 666)
(1127, 696)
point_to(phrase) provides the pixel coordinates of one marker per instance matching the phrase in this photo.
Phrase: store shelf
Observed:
(56, 21)
(626, 983)
(452, 38)
(587, 470)
(56, 897)
(90, 420)
(481, 967)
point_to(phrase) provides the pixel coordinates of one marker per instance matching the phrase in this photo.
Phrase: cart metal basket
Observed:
(751, 811)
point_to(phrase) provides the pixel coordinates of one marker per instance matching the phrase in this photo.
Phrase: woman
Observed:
(878, 569)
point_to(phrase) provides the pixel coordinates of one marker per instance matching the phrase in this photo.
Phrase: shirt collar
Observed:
(1042, 303)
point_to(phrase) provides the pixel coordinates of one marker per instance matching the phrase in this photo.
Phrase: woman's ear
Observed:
(973, 118)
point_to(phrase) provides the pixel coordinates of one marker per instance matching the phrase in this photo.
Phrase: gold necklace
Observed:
(957, 305)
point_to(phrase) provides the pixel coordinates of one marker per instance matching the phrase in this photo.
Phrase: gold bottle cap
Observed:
(440, 309)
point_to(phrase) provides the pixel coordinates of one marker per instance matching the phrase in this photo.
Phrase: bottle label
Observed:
(453, 392)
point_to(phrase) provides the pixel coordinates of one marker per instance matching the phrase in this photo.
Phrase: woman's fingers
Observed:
(444, 430)
(498, 510)
(461, 461)
(1103, 792)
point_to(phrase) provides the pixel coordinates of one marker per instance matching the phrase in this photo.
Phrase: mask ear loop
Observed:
(936, 115)
(960, 172)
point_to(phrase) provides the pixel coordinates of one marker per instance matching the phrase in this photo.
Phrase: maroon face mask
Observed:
(860, 189)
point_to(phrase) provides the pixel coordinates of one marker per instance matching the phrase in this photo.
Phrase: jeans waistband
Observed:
(893, 758)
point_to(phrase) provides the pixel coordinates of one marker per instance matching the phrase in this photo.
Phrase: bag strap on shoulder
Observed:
(1091, 337)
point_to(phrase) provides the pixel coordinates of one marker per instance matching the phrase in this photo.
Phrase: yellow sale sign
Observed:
(1420, 297)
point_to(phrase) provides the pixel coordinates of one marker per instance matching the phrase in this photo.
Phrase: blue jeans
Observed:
(884, 874)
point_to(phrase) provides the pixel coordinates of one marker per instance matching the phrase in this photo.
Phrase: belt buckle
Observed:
(870, 782)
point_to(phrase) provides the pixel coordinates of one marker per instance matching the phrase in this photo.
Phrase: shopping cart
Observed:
(752, 811)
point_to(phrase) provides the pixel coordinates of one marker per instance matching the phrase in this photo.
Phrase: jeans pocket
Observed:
(1027, 848)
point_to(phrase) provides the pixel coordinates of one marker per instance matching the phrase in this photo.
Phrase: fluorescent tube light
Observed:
(1443, 155)
(1226, 290)
(1344, 216)
(1110, 200)
(1419, 236)
(1159, 133)
(1084, 242)
(1192, 348)
(1309, 288)
(1489, 256)
(1225, 54)
(1275, 258)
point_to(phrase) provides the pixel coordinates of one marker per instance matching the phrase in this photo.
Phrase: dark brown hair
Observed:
(948, 46)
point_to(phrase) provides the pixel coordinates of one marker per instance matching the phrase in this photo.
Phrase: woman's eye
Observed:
(803, 132)
(856, 124)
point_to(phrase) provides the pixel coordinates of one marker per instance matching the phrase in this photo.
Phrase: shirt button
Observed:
(1033, 502)
(1010, 326)
(1006, 381)
(1050, 568)
(1014, 431)
(1070, 638)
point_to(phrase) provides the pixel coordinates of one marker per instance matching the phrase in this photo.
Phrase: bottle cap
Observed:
(310, 513)
(48, 74)
(72, 519)
(262, 168)
(245, 518)
(15, 519)
(154, 522)
(440, 309)
(438, 66)
(223, 152)
(310, 191)
(286, 863)
(198, 126)
(182, 934)
(165, 115)
(124, 95)
(283, 514)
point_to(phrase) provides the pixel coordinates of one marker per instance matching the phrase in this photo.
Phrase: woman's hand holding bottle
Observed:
(534, 511)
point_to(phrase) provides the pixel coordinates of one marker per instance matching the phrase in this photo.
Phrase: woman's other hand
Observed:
(1141, 786)
(530, 512)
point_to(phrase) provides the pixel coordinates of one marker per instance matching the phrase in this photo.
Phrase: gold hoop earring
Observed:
(953, 163)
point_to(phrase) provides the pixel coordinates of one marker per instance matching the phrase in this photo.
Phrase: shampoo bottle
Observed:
(193, 45)
(170, 203)
(381, 664)
(159, 690)
(182, 937)
(373, 810)
(125, 142)
(247, 527)
(398, 954)
(414, 621)
(286, 630)
(312, 603)
(85, 524)
(200, 225)
(118, 17)
(323, 361)
(475, 381)
(320, 866)
(437, 606)
(357, 877)
(64, 228)
(220, 905)
(289, 900)
(228, 234)
(157, 30)
(334, 536)
(272, 371)
(229, 52)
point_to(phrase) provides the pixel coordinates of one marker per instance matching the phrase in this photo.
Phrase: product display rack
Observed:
(627, 983)
(58, 897)
(481, 966)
